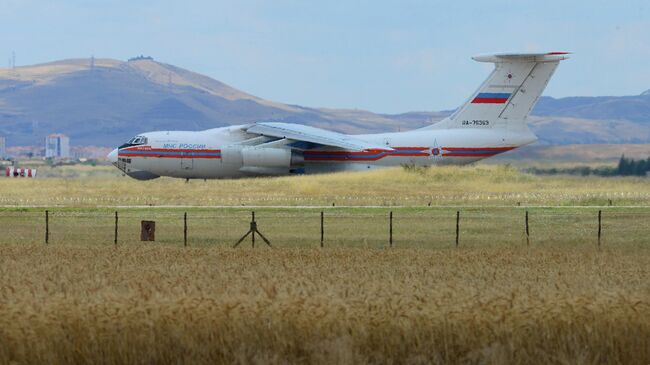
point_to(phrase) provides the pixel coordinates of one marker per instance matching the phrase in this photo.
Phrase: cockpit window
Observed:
(137, 140)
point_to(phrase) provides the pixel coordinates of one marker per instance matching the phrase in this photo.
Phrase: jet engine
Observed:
(266, 157)
(263, 160)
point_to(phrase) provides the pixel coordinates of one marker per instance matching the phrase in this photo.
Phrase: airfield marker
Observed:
(147, 231)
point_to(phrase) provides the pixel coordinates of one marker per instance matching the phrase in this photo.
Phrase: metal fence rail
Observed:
(341, 227)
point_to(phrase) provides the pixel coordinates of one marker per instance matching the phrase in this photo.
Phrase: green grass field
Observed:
(492, 201)
(413, 227)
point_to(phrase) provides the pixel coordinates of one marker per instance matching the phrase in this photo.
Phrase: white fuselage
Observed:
(492, 121)
(223, 153)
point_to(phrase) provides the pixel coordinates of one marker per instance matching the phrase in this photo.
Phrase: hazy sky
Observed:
(385, 56)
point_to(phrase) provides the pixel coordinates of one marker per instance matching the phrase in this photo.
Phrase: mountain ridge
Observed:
(105, 101)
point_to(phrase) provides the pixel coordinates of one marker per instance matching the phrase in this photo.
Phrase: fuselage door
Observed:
(187, 160)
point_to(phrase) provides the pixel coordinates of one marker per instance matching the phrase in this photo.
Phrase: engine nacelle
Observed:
(268, 157)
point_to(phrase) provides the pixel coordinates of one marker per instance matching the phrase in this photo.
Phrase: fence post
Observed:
(527, 231)
(115, 240)
(322, 229)
(599, 226)
(47, 226)
(185, 229)
(457, 226)
(253, 223)
(390, 229)
(252, 230)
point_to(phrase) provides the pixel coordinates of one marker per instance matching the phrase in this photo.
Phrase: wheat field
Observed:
(146, 304)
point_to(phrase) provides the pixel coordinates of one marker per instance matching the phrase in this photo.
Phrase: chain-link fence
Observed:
(341, 227)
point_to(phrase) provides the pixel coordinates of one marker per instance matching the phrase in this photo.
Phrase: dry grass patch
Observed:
(477, 185)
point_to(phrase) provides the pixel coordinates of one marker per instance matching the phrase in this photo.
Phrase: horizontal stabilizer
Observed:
(523, 57)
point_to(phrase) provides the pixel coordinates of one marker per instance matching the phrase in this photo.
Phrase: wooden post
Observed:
(47, 226)
(185, 229)
(457, 226)
(322, 229)
(147, 231)
(390, 229)
(599, 226)
(253, 231)
(527, 231)
(115, 240)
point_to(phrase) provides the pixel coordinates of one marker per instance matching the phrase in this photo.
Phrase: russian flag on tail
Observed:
(491, 98)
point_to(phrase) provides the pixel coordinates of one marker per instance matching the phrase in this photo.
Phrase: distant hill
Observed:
(103, 102)
(109, 101)
(634, 108)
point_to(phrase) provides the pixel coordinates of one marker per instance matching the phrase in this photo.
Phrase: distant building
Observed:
(3, 147)
(140, 58)
(57, 146)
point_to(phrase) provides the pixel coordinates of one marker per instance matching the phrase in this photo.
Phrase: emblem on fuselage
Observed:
(436, 152)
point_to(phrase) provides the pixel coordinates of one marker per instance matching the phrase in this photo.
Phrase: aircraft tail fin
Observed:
(508, 95)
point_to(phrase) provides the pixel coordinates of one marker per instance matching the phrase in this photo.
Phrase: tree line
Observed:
(629, 166)
(626, 167)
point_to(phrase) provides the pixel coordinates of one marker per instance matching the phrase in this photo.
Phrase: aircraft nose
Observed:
(112, 157)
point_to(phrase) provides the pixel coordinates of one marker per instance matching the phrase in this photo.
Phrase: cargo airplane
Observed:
(492, 121)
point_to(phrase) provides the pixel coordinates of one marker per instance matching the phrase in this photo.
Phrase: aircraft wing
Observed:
(303, 133)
